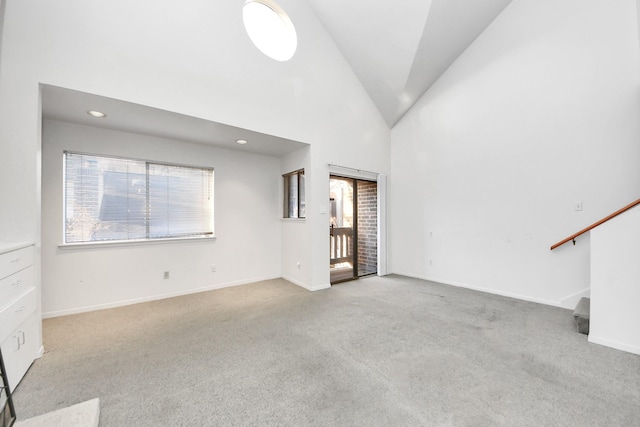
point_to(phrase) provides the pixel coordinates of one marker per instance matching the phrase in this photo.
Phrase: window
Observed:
(294, 205)
(111, 199)
(270, 29)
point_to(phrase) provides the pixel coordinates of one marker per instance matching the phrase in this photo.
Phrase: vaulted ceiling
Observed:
(396, 49)
(399, 49)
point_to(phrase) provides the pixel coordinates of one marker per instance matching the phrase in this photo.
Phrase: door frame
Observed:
(381, 180)
(353, 182)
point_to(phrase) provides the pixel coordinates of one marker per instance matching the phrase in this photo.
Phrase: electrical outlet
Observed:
(577, 205)
(299, 265)
(166, 275)
(213, 268)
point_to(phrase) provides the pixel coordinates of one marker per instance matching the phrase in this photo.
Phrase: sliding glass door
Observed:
(353, 228)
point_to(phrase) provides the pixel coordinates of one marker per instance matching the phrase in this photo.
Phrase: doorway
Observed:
(353, 228)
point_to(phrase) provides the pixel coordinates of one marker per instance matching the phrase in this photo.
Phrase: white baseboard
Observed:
(305, 286)
(487, 290)
(614, 344)
(572, 300)
(58, 313)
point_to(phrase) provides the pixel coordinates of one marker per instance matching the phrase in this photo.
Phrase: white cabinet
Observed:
(19, 350)
(19, 328)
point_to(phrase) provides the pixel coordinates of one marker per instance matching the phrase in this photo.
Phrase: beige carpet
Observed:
(389, 351)
(85, 414)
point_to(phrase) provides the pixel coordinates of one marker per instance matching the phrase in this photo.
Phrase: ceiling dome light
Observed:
(96, 114)
(270, 29)
(241, 141)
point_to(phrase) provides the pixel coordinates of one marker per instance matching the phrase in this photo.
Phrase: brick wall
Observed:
(367, 226)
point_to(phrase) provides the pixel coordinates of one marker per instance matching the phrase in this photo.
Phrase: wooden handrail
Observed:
(595, 224)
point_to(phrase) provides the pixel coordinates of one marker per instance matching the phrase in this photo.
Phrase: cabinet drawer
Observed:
(20, 349)
(14, 261)
(11, 287)
(14, 314)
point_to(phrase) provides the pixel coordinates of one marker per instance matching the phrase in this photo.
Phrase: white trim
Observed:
(570, 301)
(382, 225)
(85, 309)
(381, 180)
(305, 286)
(124, 243)
(349, 172)
(486, 290)
(614, 344)
(13, 246)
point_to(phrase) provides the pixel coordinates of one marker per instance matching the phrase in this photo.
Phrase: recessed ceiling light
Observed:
(270, 29)
(96, 114)
(241, 141)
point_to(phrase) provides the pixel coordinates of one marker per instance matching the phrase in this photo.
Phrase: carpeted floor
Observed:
(85, 414)
(389, 351)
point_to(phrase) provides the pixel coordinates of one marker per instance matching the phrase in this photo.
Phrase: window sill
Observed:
(124, 243)
(293, 219)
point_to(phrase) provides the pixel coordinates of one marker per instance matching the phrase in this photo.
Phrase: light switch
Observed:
(577, 205)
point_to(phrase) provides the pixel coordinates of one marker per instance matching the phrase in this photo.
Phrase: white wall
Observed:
(197, 60)
(296, 233)
(247, 226)
(615, 283)
(541, 110)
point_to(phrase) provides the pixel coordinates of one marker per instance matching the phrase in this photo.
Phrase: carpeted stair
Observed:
(581, 315)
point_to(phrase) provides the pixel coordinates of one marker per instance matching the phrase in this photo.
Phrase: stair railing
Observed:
(572, 238)
(340, 245)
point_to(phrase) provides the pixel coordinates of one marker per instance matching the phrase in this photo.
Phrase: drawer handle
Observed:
(17, 337)
(23, 337)
(17, 283)
(16, 260)
(21, 308)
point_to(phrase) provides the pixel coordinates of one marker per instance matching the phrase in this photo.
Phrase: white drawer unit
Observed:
(15, 285)
(19, 315)
(16, 260)
(14, 314)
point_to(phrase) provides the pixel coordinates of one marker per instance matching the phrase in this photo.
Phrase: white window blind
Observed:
(109, 199)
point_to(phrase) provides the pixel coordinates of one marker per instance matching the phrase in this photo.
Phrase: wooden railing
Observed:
(595, 224)
(340, 245)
